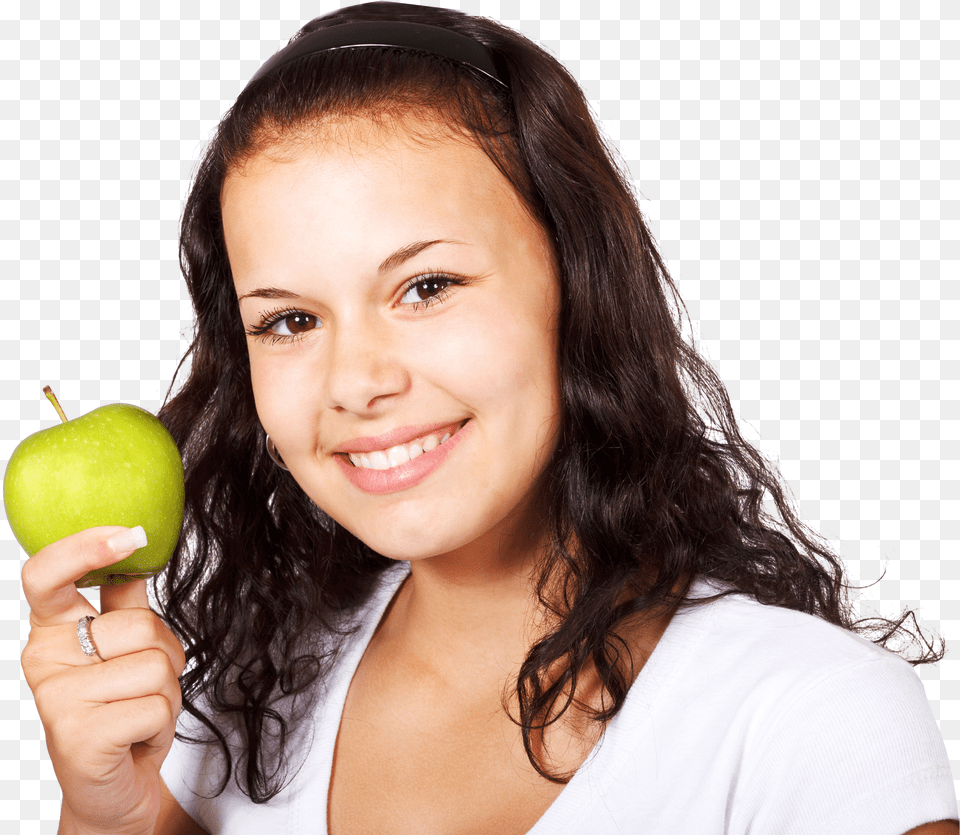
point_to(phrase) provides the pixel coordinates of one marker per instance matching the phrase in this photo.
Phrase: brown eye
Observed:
(426, 289)
(294, 323)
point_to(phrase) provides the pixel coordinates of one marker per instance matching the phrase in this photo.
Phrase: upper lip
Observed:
(396, 437)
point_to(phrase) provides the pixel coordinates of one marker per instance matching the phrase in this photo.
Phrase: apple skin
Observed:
(116, 465)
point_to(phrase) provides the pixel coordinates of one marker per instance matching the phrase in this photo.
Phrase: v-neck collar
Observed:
(563, 816)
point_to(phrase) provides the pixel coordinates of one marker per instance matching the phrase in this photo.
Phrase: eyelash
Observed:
(262, 331)
(425, 278)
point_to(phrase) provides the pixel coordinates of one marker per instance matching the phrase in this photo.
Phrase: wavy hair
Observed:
(651, 485)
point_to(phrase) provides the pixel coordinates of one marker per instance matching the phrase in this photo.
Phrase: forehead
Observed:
(353, 185)
(390, 139)
(414, 151)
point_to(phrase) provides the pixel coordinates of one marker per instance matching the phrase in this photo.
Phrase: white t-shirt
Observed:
(745, 720)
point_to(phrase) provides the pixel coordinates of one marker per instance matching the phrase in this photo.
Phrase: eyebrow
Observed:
(405, 253)
(391, 262)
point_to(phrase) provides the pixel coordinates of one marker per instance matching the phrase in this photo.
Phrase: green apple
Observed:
(116, 465)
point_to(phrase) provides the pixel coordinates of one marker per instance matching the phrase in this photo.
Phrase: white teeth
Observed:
(379, 461)
(398, 455)
(395, 456)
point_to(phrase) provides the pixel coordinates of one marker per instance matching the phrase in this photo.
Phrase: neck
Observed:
(472, 613)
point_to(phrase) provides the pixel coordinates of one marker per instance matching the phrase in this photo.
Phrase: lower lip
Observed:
(406, 475)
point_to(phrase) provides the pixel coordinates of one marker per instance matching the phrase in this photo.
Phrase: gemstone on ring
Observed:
(83, 633)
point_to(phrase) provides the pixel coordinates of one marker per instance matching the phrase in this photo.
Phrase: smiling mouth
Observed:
(387, 459)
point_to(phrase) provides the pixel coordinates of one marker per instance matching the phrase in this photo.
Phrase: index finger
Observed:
(49, 575)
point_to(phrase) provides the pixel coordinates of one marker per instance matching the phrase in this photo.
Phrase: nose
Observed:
(363, 367)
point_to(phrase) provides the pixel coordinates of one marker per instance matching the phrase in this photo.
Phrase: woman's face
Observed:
(396, 292)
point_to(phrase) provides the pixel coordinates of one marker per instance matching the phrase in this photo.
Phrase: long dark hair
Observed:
(651, 486)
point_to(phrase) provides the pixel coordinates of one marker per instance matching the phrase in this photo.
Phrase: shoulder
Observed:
(773, 649)
(824, 730)
(193, 771)
(787, 673)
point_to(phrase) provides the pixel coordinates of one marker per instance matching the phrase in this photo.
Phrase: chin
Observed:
(410, 548)
(416, 539)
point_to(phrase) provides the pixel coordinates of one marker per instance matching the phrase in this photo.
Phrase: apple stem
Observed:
(56, 403)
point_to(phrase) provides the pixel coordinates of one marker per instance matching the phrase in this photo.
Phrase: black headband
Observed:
(394, 33)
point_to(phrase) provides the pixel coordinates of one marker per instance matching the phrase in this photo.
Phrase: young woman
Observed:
(472, 543)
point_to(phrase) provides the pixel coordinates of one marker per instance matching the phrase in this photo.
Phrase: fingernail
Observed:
(126, 542)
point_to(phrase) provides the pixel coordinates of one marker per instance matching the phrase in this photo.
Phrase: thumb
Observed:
(129, 595)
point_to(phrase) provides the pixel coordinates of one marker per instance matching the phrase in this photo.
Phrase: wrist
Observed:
(71, 825)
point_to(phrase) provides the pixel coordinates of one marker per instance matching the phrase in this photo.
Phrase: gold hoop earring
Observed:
(274, 455)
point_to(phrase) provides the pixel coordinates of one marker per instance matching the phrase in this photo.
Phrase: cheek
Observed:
(275, 395)
(504, 360)
(264, 394)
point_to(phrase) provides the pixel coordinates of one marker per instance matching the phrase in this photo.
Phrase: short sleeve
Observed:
(857, 751)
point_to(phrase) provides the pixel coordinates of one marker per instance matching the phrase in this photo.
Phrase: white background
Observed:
(798, 163)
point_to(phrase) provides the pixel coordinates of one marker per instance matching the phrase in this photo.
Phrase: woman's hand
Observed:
(109, 718)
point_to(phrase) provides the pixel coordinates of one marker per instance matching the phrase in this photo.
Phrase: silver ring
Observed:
(86, 639)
